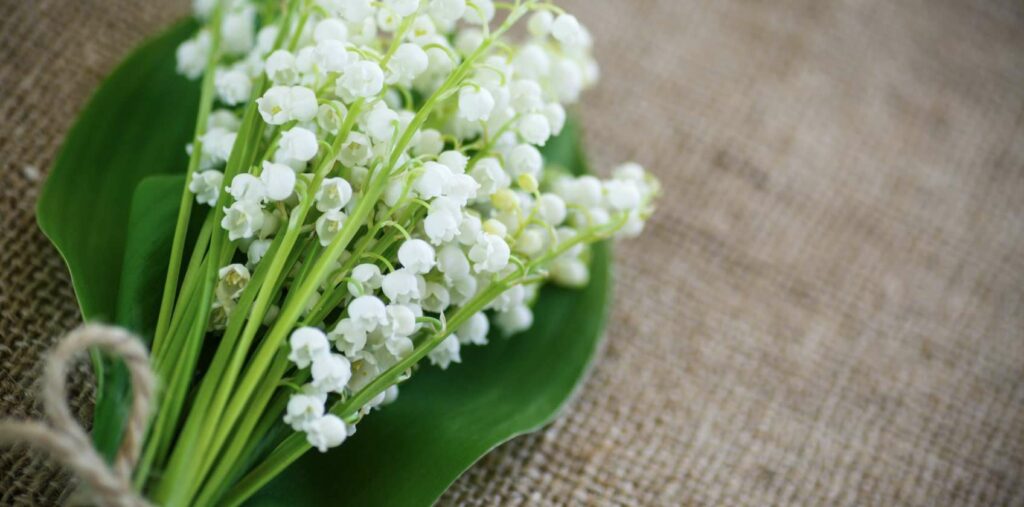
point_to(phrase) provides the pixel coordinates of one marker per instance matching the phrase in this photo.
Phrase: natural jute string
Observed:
(65, 439)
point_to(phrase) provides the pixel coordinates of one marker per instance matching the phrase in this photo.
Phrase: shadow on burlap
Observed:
(828, 308)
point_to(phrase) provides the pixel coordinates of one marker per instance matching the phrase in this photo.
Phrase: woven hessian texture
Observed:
(828, 308)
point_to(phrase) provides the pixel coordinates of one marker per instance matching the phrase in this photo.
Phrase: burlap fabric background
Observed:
(828, 308)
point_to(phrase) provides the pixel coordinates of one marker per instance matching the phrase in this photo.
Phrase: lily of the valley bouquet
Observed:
(373, 189)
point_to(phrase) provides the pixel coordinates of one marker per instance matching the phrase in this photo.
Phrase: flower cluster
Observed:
(390, 194)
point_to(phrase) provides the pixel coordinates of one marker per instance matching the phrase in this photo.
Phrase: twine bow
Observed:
(65, 439)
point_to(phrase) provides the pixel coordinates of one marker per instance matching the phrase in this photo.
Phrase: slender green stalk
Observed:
(209, 443)
(246, 372)
(215, 483)
(167, 301)
(159, 351)
(296, 445)
(220, 247)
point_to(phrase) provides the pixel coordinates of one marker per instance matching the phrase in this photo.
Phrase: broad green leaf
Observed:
(443, 421)
(147, 250)
(150, 229)
(135, 127)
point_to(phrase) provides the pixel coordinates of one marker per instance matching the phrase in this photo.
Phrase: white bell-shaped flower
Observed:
(354, 11)
(233, 86)
(356, 150)
(307, 344)
(540, 23)
(531, 241)
(331, 372)
(238, 30)
(225, 119)
(475, 103)
(442, 221)
(218, 143)
(332, 55)
(452, 261)
(302, 103)
(432, 181)
(329, 118)
(446, 353)
(408, 62)
(416, 255)
(381, 122)
(401, 286)
(369, 279)
(474, 330)
(585, 191)
(566, 78)
(367, 312)
(402, 8)
(280, 67)
(330, 29)
(551, 209)
(243, 219)
(461, 188)
(622, 195)
(274, 105)
(463, 289)
(257, 249)
(348, 337)
(555, 113)
(567, 30)
(298, 143)
(525, 159)
(470, 229)
(490, 254)
(326, 432)
(569, 272)
(248, 188)
(490, 176)
(333, 194)
(526, 96)
(483, 13)
(514, 320)
(401, 321)
(281, 104)
(206, 186)
(534, 128)
(192, 55)
(303, 410)
(447, 11)
(398, 346)
(532, 62)
(456, 161)
(512, 297)
(329, 225)
(428, 142)
(436, 298)
(279, 181)
(360, 80)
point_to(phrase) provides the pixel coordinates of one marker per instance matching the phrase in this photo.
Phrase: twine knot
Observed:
(67, 441)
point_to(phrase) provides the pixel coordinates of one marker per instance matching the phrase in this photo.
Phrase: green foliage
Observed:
(116, 247)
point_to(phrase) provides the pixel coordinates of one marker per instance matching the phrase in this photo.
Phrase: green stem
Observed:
(185, 205)
(296, 445)
(209, 443)
(159, 349)
(215, 483)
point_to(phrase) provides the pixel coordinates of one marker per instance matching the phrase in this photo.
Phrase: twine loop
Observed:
(67, 441)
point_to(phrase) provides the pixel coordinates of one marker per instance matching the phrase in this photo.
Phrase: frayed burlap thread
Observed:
(63, 437)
